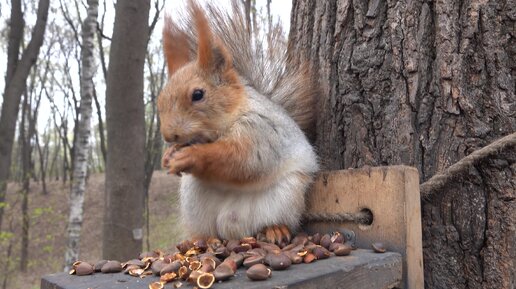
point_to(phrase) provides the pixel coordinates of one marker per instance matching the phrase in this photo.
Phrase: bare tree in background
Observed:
(15, 82)
(82, 144)
(125, 171)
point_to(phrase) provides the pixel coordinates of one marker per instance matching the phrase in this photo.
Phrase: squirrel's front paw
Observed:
(182, 160)
(167, 155)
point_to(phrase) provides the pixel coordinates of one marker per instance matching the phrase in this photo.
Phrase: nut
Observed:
(223, 272)
(321, 252)
(136, 262)
(294, 257)
(201, 244)
(83, 268)
(149, 254)
(379, 247)
(111, 267)
(337, 237)
(279, 261)
(242, 248)
(157, 266)
(258, 272)
(325, 241)
(205, 280)
(170, 268)
(99, 265)
(316, 238)
(184, 246)
(253, 260)
(237, 258)
(342, 250)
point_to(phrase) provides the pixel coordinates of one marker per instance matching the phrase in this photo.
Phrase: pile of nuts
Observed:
(202, 262)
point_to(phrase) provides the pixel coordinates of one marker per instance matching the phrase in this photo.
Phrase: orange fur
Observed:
(221, 161)
(224, 99)
(175, 47)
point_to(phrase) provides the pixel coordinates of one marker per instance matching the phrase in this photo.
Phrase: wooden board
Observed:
(392, 195)
(362, 269)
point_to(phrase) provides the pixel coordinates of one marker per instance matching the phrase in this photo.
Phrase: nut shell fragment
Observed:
(168, 277)
(156, 285)
(205, 280)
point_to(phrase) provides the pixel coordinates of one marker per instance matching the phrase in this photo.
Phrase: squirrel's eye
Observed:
(197, 95)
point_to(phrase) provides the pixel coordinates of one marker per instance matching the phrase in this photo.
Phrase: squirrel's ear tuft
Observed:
(212, 56)
(175, 46)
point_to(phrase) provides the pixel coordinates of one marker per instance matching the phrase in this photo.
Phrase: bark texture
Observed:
(18, 69)
(124, 213)
(423, 83)
(82, 144)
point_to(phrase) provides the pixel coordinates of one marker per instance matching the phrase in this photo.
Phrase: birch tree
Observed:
(82, 144)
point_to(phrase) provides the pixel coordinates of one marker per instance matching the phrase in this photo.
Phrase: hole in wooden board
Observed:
(368, 220)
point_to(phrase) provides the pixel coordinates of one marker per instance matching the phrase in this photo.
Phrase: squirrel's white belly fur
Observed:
(288, 162)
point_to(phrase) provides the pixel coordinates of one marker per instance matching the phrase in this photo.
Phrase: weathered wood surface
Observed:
(362, 269)
(392, 195)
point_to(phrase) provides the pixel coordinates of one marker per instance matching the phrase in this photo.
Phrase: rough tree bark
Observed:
(17, 71)
(123, 217)
(423, 83)
(82, 144)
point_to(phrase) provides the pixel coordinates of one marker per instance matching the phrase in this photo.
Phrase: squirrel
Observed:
(236, 117)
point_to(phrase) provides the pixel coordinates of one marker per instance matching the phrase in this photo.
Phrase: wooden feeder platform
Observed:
(361, 269)
(391, 197)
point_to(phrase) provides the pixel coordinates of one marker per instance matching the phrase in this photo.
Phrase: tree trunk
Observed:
(425, 84)
(24, 141)
(82, 144)
(123, 219)
(17, 72)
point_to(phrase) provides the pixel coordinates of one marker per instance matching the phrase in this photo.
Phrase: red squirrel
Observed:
(235, 116)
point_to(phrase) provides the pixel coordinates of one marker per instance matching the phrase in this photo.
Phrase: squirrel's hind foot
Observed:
(277, 234)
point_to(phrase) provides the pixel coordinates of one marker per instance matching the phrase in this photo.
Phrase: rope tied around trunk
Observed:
(439, 180)
(363, 217)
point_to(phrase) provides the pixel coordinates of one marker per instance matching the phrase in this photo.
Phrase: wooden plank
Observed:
(361, 269)
(392, 195)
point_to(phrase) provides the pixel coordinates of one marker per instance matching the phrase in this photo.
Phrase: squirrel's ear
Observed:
(212, 56)
(175, 46)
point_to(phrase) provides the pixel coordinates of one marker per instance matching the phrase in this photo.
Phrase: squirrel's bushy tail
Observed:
(264, 64)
